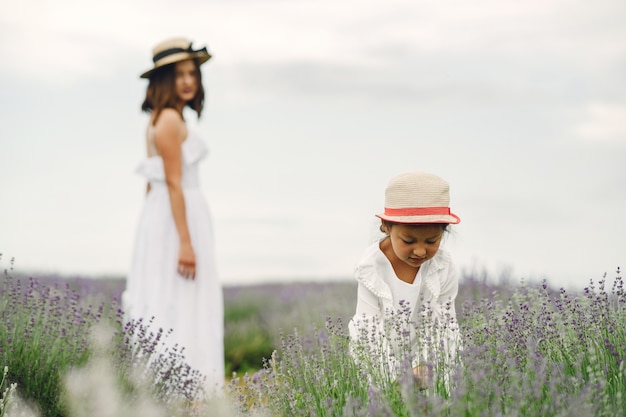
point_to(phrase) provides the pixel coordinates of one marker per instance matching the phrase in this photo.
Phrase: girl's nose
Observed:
(420, 251)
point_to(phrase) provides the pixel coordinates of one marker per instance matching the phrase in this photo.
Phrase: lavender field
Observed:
(527, 350)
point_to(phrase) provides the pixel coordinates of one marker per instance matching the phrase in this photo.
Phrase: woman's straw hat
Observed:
(418, 197)
(175, 50)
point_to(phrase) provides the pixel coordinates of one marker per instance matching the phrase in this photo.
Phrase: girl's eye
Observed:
(407, 243)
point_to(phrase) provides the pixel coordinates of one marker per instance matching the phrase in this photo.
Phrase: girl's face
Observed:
(414, 245)
(186, 81)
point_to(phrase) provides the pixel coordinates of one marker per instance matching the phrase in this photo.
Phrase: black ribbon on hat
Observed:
(173, 51)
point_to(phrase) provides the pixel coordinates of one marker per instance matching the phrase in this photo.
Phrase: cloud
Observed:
(77, 38)
(603, 122)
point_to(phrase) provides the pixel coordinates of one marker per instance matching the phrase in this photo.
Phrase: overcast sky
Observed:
(312, 106)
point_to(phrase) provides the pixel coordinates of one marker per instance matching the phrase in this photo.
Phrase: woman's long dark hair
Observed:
(161, 92)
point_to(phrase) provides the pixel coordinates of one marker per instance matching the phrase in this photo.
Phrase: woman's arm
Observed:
(169, 133)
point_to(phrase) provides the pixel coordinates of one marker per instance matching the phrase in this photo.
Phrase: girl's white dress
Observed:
(193, 309)
(438, 285)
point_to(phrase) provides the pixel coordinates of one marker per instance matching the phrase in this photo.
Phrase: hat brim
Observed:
(200, 57)
(429, 219)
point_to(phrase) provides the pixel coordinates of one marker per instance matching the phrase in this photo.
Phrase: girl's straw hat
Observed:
(175, 50)
(418, 197)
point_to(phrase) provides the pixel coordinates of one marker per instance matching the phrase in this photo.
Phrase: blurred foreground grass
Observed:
(545, 340)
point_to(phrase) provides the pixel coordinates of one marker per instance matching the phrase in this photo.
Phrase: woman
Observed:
(173, 278)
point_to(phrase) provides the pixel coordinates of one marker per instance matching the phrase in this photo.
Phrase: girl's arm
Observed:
(444, 312)
(367, 314)
(449, 291)
(169, 133)
(367, 302)
(447, 311)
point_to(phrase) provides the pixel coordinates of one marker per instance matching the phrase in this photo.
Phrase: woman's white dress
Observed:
(192, 309)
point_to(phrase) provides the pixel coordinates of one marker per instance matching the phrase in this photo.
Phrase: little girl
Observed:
(406, 281)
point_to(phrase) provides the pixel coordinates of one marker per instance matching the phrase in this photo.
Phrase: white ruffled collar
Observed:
(371, 269)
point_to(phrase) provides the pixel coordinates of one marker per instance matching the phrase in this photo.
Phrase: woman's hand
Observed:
(423, 376)
(187, 261)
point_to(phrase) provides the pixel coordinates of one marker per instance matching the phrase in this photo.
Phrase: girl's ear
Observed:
(384, 227)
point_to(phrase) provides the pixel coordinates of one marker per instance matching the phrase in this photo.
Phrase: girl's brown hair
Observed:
(161, 92)
(389, 225)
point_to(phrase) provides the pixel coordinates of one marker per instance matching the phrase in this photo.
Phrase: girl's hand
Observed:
(423, 376)
(186, 261)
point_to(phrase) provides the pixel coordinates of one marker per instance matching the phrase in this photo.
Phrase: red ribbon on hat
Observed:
(417, 211)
